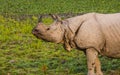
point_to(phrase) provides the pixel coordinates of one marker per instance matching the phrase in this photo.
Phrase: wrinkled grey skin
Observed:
(92, 33)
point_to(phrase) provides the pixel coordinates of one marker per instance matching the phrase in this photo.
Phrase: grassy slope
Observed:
(23, 54)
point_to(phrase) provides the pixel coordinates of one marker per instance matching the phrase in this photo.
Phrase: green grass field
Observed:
(58, 6)
(23, 54)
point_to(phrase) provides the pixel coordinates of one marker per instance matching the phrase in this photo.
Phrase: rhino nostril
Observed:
(36, 30)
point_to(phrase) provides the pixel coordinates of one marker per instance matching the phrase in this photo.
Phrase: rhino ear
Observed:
(56, 17)
(53, 16)
(40, 19)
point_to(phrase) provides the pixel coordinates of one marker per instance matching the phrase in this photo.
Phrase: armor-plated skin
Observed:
(92, 33)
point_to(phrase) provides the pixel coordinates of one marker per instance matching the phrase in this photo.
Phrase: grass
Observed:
(58, 6)
(22, 54)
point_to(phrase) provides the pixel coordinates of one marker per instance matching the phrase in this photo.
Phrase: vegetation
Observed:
(23, 54)
(58, 6)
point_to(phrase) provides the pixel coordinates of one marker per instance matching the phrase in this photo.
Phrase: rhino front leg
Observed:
(91, 58)
(98, 67)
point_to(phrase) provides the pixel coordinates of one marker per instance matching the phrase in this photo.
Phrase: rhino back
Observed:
(110, 25)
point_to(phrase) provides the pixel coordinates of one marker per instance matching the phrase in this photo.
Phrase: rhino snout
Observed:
(35, 31)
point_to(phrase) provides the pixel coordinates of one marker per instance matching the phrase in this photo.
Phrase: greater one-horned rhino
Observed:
(92, 33)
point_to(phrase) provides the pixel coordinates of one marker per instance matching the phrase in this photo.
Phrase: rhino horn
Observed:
(40, 19)
(56, 17)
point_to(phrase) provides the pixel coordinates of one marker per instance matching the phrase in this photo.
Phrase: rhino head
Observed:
(52, 33)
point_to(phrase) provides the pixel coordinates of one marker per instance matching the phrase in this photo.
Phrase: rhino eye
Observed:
(48, 28)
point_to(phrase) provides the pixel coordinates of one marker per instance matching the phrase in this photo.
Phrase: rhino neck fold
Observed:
(68, 37)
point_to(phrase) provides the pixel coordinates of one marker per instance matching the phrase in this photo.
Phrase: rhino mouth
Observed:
(37, 33)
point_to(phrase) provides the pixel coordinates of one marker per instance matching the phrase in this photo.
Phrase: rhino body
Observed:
(92, 33)
(99, 31)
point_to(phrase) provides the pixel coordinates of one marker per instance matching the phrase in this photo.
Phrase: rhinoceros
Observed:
(93, 33)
